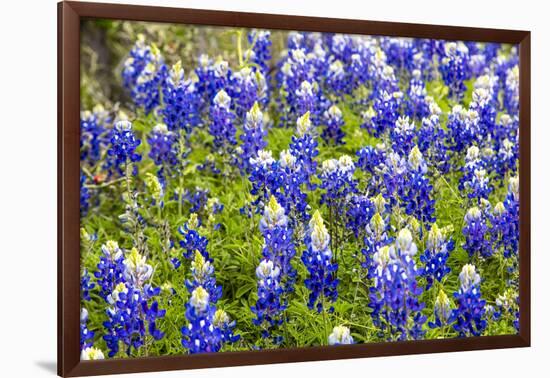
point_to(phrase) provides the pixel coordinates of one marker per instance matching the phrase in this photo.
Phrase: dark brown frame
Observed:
(68, 218)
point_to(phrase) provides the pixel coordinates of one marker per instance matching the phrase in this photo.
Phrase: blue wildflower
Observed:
(123, 146)
(304, 147)
(475, 230)
(395, 294)
(278, 242)
(454, 68)
(334, 121)
(221, 122)
(269, 305)
(468, 318)
(435, 257)
(192, 240)
(180, 102)
(253, 137)
(321, 282)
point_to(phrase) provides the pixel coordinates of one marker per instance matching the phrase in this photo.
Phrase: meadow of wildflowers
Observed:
(252, 189)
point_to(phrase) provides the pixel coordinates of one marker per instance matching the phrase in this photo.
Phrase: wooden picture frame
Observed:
(70, 15)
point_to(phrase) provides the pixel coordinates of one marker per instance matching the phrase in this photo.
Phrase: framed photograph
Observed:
(239, 188)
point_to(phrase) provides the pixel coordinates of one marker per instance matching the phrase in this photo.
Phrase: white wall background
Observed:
(28, 186)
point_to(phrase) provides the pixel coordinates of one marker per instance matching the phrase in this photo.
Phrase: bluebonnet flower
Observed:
(321, 282)
(294, 70)
(336, 78)
(393, 171)
(442, 310)
(306, 99)
(360, 210)
(385, 87)
(209, 165)
(358, 71)
(475, 179)
(138, 57)
(250, 87)
(490, 84)
(435, 257)
(384, 113)
(291, 195)
(180, 102)
(376, 236)
(144, 73)
(212, 208)
(164, 151)
(164, 146)
(192, 240)
(504, 232)
(261, 48)
(202, 272)
(506, 159)
(482, 104)
(212, 77)
(371, 160)
(223, 322)
(431, 141)
(468, 318)
(416, 191)
(334, 122)
(86, 336)
(511, 90)
(197, 198)
(110, 268)
(399, 52)
(86, 285)
(200, 335)
(462, 128)
(340, 46)
(506, 221)
(123, 146)
(402, 136)
(278, 242)
(93, 135)
(221, 122)
(266, 178)
(340, 336)
(475, 230)
(310, 98)
(337, 179)
(304, 147)
(209, 328)
(295, 40)
(132, 314)
(394, 298)
(417, 106)
(85, 195)
(502, 63)
(269, 306)
(253, 137)
(454, 68)
(508, 306)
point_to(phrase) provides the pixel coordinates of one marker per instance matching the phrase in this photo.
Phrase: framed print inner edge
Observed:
(70, 15)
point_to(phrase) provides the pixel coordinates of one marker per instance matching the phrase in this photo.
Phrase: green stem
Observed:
(240, 47)
(105, 184)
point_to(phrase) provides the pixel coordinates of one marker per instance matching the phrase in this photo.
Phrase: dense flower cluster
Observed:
(143, 74)
(123, 146)
(322, 282)
(131, 309)
(323, 181)
(469, 315)
(395, 295)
